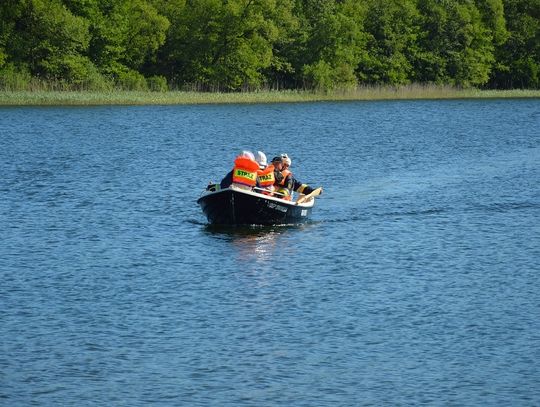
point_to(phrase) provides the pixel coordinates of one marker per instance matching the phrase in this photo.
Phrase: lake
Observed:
(416, 282)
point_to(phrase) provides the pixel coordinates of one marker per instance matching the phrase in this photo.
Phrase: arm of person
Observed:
(302, 188)
(289, 182)
(226, 181)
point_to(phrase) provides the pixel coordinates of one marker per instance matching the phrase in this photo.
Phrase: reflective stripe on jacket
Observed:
(266, 177)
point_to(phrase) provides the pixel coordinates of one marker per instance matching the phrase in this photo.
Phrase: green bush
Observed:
(78, 72)
(13, 78)
(3, 57)
(131, 80)
(323, 77)
(319, 76)
(157, 84)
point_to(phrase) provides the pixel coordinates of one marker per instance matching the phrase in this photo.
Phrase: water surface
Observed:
(417, 281)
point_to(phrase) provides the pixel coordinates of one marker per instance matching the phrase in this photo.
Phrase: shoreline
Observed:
(135, 98)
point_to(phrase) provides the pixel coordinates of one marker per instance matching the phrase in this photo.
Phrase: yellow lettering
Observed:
(267, 177)
(245, 174)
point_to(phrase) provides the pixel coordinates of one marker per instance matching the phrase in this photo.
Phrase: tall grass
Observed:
(54, 96)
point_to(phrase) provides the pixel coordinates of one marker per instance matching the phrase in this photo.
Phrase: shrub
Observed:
(78, 72)
(3, 57)
(14, 78)
(319, 76)
(131, 80)
(157, 84)
(324, 77)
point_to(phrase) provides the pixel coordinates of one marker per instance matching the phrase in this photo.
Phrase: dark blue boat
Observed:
(235, 206)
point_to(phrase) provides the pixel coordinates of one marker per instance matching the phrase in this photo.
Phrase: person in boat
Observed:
(296, 185)
(277, 162)
(265, 174)
(244, 173)
(283, 183)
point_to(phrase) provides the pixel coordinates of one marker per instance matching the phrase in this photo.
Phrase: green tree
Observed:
(430, 64)
(48, 39)
(12, 76)
(456, 45)
(326, 43)
(518, 59)
(235, 44)
(8, 10)
(126, 35)
(222, 44)
(492, 12)
(393, 29)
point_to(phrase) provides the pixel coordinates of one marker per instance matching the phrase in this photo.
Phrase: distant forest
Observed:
(231, 45)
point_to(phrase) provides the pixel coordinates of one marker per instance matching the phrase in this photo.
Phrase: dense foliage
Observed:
(239, 44)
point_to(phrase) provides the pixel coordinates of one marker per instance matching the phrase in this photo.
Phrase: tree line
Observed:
(230, 45)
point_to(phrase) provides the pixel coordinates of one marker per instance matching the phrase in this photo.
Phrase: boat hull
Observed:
(233, 206)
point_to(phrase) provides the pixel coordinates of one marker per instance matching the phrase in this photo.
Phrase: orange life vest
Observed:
(282, 189)
(266, 177)
(245, 171)
(285, 173)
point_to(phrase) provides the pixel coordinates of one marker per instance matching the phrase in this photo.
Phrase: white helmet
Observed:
(286, 159)
(247, 154)
(260, 157)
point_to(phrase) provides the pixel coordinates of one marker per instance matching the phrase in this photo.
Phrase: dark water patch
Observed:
(507, 206)
(420, 212)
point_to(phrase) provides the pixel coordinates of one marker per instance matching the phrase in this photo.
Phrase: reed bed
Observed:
(367, 93)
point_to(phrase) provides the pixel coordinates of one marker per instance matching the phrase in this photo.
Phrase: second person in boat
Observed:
(265, 175)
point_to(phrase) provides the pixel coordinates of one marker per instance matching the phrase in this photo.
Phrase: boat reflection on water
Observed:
(256, 264)
(259, 244)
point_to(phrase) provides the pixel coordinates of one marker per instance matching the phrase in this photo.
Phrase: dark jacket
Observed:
(227, 180)
(292, 184)
(297, 186)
